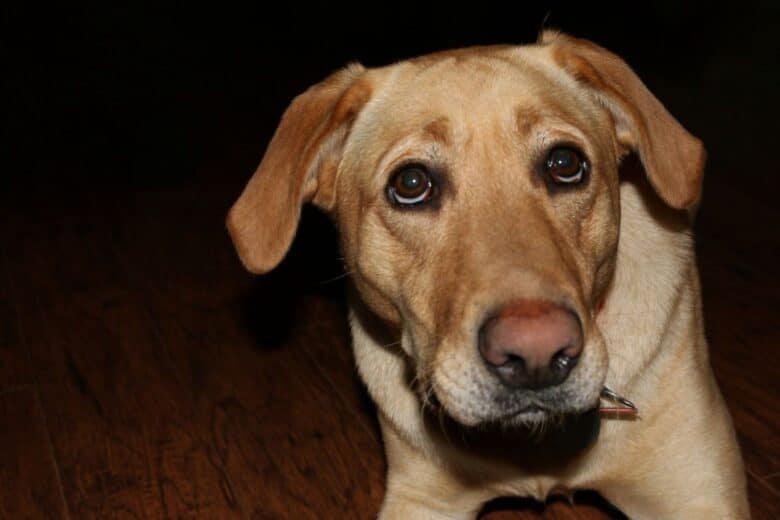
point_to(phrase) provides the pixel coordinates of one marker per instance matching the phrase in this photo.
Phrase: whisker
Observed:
(335, 278)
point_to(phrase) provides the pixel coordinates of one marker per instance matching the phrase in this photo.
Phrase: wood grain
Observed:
(29, 482)
(14, 366)
(121, 427)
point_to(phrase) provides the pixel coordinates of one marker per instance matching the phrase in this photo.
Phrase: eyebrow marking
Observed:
(527, 119)
(439, 130)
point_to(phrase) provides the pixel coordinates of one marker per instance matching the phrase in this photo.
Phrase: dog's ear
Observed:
(299, 166)
(672, 157)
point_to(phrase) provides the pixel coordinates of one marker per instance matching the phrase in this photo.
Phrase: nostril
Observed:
(513, 361)
(513, 370)
(514, 357)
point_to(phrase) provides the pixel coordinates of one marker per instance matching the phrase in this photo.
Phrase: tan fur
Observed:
(424, 279)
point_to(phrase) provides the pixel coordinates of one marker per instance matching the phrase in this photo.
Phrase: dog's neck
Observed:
(655, 257)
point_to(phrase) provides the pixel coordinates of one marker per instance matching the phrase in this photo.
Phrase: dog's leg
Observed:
(423, 489)
(400, 507)
(637, 504)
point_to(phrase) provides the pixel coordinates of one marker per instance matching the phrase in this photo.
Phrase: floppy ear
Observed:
(299, 166)
(673, 158)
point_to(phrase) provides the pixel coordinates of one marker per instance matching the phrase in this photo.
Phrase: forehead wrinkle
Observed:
(579, 108)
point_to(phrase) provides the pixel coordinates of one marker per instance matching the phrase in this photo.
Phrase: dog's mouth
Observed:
(530, 414)
(539, 416)
(533, 416)
(530, 411)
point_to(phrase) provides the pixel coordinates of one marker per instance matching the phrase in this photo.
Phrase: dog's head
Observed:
(476, 192)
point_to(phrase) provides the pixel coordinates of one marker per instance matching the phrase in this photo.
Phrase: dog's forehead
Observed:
(483, 86)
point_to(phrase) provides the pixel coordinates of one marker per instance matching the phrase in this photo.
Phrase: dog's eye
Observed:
(565, 165)
(410, 185)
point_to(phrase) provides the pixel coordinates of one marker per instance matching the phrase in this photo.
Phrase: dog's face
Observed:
(450, 213)
(476, 193)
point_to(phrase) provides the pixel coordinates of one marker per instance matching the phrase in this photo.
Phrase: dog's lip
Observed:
(533, 407)
(536, 408)
(530, 409)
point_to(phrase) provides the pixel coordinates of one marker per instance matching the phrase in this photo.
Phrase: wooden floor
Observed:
(144, 374)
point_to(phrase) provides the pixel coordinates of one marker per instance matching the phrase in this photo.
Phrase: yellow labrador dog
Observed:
(506, 279)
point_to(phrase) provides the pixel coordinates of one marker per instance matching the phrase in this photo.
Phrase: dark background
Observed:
(143, 97)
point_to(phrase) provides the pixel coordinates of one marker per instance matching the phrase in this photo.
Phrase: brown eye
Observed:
(565, 165)
(409, 186)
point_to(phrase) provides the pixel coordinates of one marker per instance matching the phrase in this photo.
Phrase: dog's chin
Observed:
(529, 416)
(532, 418)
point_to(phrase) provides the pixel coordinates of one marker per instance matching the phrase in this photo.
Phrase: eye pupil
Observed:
(565, 165)
(562, 158)
(411, 180)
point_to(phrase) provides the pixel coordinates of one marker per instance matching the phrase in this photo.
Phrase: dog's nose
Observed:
(531, 344)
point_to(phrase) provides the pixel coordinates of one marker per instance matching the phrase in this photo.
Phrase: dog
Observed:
(509, 271)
